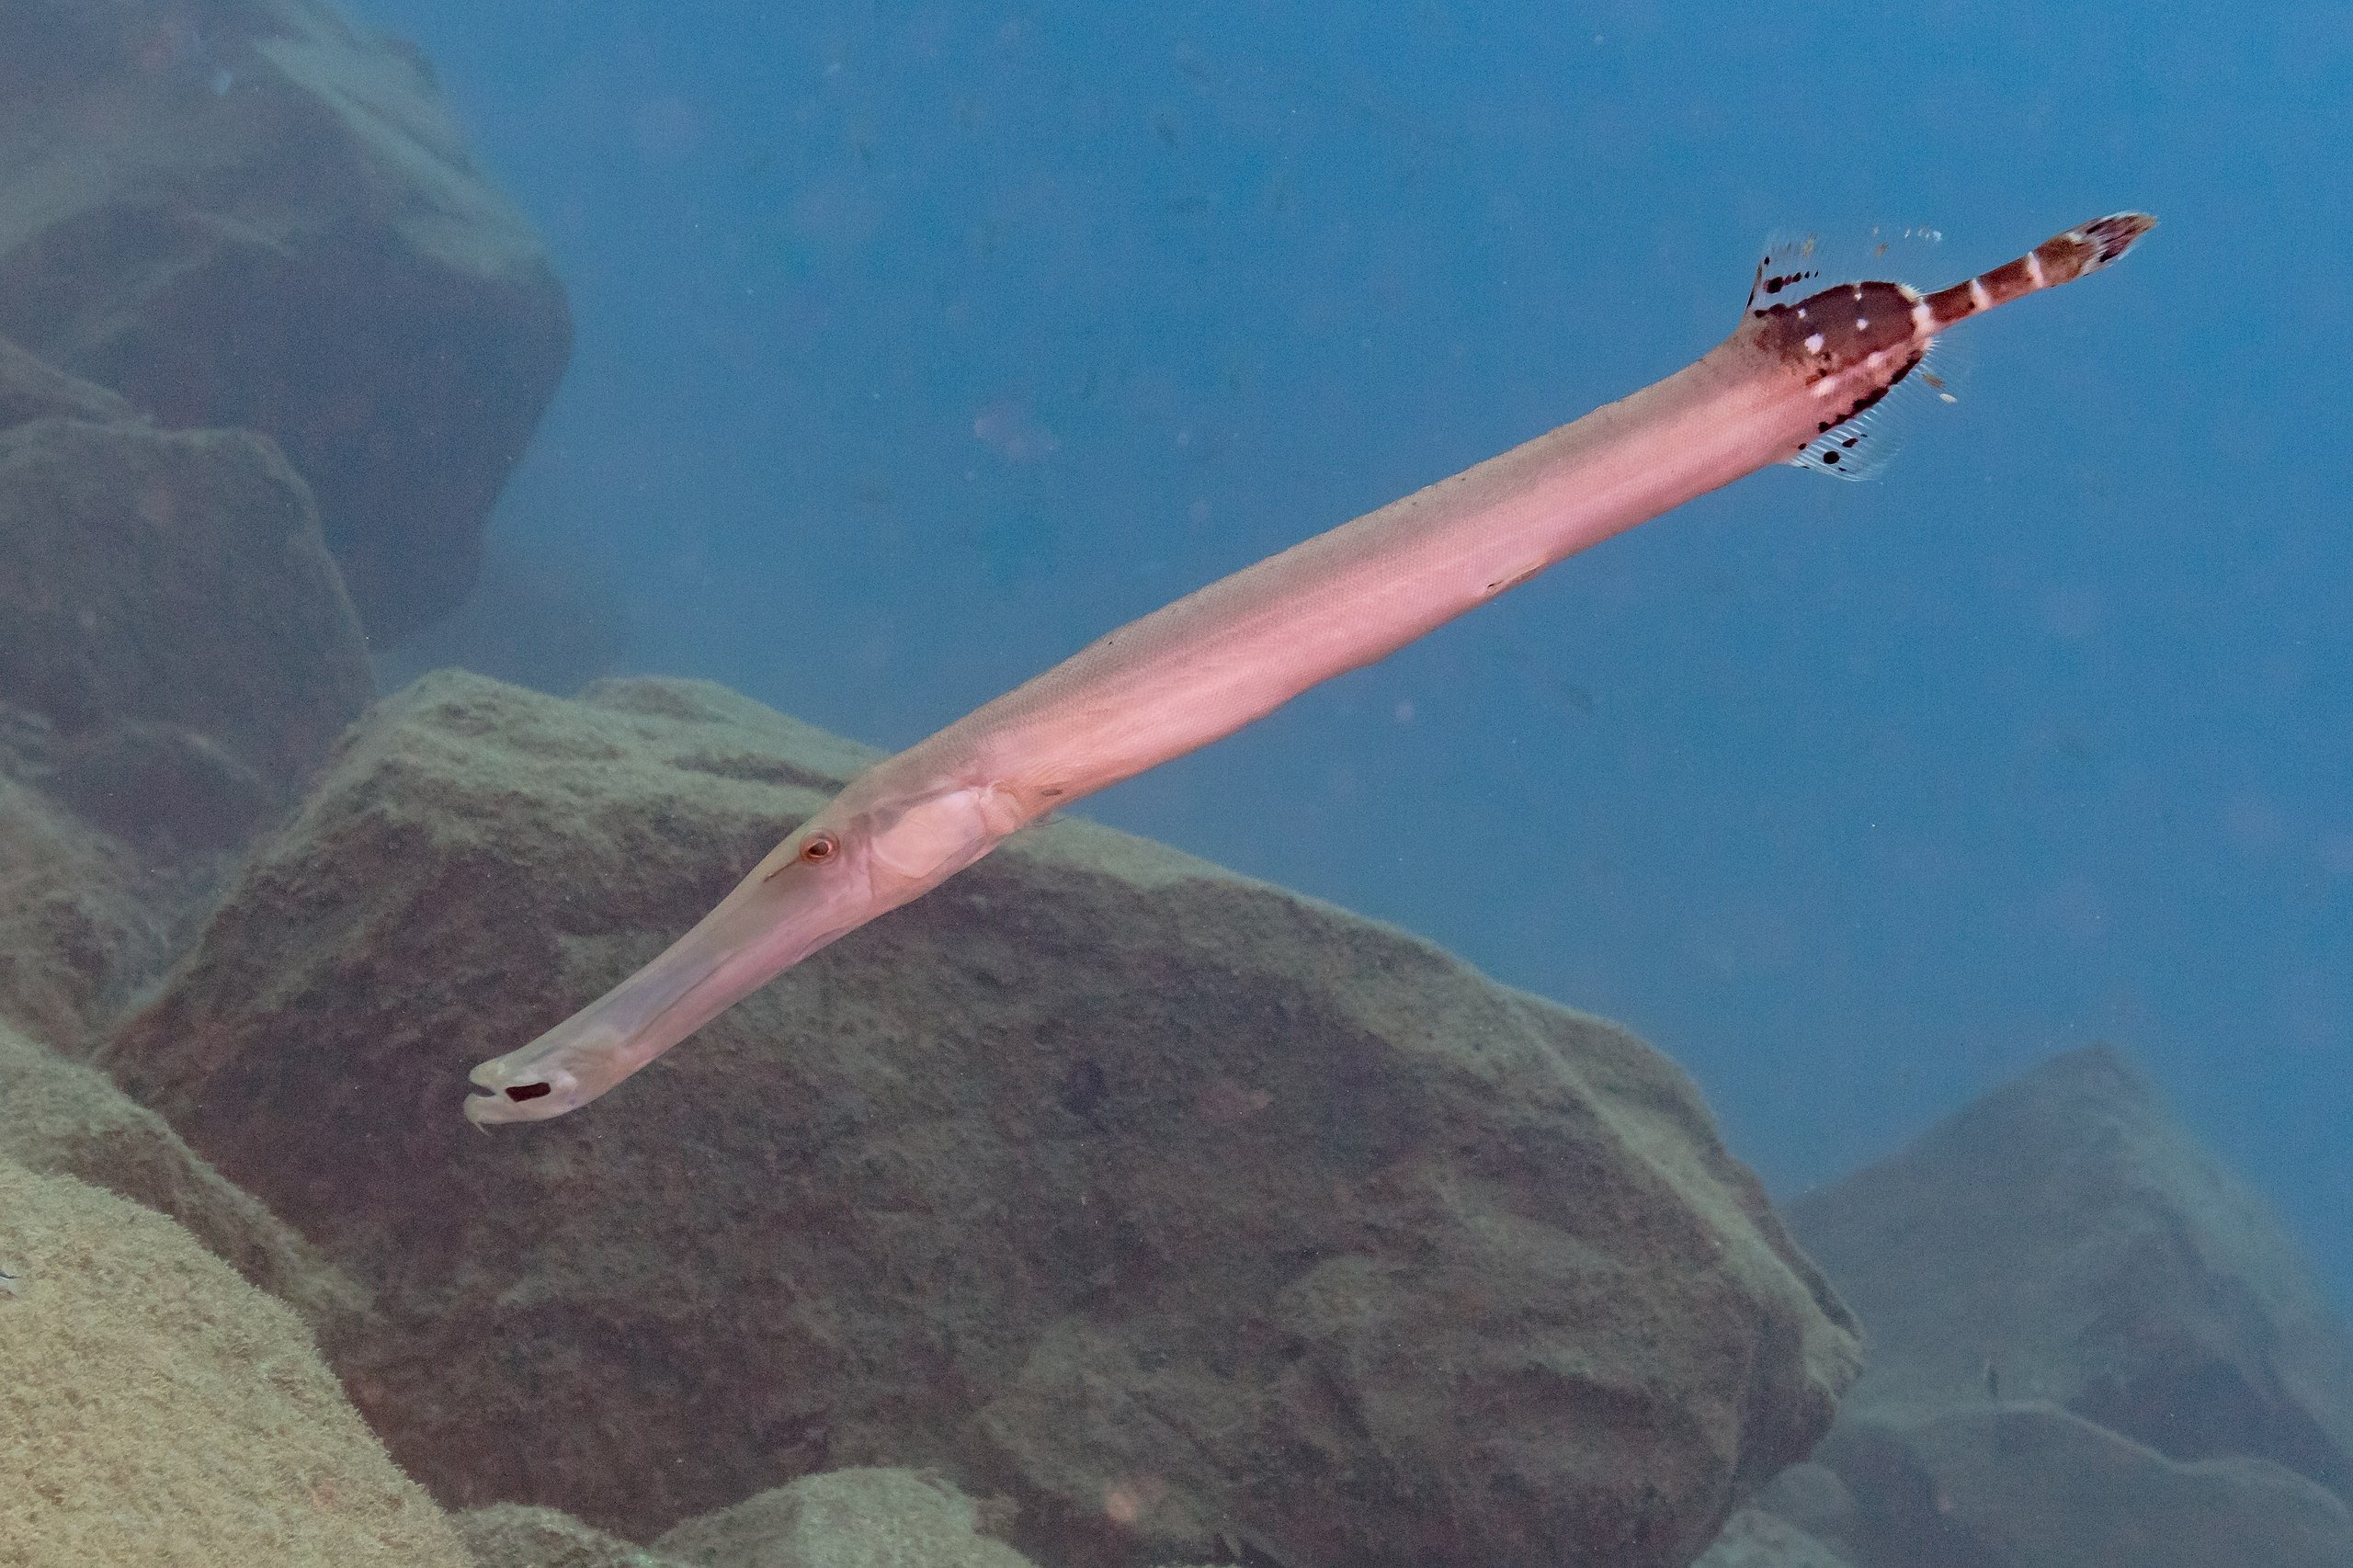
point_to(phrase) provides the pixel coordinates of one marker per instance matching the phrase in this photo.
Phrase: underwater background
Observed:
(919, 344)
(1969, 848)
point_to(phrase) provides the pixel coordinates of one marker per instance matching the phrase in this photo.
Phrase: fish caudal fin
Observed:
(2063, 258)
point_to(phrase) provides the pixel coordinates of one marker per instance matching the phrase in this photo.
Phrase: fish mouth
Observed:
(521, 1094)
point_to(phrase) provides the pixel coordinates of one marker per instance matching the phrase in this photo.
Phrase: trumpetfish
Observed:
(1791, 384)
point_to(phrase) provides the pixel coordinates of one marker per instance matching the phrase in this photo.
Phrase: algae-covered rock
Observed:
(80, 925)
(154, 1408)
(851, 1518)
(1187, 1216)
(58, 1117)
(854, 1518)
(254, 213)
(514, 1535)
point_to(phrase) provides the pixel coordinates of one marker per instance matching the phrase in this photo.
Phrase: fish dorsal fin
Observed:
(1796, 265)
(1787, 269)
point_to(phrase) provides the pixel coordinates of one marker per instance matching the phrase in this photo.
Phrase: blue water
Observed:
(919, 344)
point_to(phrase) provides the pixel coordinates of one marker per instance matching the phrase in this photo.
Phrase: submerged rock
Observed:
(511, 1534)
(32, 388)
(58, 1117)
(170, 618)
(1189, 1216)
(81, 923)
(251, 214)
(2090, 1345)
(177, 652)
(2065, 1239)
(155, 1408)
(2031, 1485)
(1755, 1538)
(874, 1518)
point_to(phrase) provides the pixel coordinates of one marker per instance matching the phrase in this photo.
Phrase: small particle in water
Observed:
(1017, 434)
(7, 1282)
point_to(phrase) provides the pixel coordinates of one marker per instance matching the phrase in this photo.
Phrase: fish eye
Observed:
(820, 847)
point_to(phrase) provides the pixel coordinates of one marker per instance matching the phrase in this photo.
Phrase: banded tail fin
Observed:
(2061, 258)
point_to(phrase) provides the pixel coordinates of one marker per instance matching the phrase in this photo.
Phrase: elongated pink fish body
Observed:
(1791, 382)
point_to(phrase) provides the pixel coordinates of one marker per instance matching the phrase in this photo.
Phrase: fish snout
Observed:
(521, 1094)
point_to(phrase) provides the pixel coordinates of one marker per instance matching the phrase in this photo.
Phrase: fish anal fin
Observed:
(1865, 441)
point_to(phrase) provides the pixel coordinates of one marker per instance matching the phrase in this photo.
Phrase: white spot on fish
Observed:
(1813, 343)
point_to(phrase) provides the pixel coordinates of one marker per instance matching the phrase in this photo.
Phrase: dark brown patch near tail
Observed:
(1853, 322)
